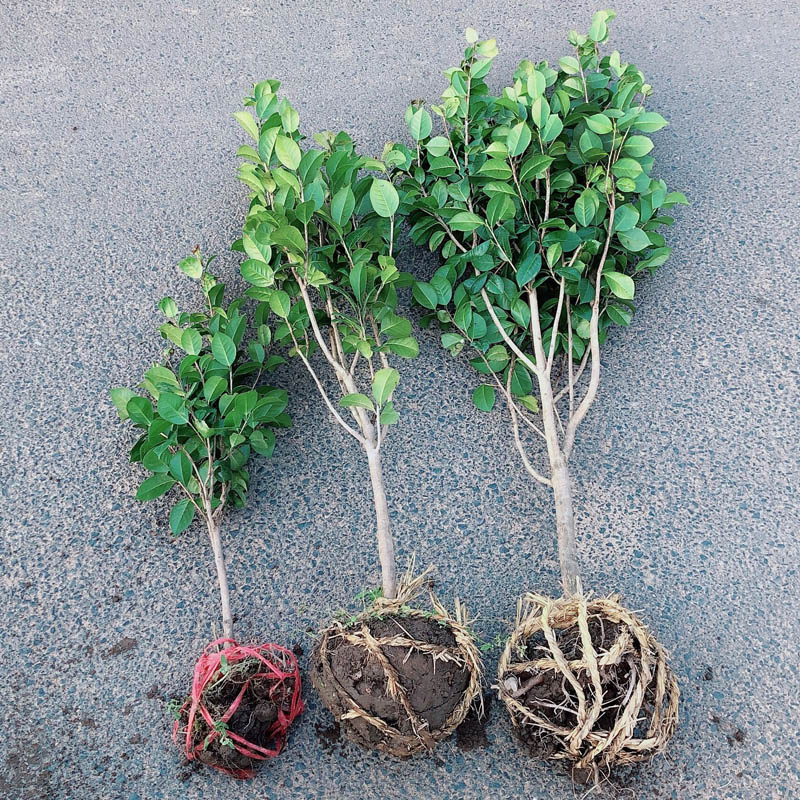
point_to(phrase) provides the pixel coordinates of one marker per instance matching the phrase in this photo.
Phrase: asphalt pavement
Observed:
(117, 156)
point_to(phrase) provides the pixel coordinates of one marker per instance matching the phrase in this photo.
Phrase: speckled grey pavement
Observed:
(118, 155)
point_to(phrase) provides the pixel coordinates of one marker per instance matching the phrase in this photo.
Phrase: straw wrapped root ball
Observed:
(243, 700)
(585, 681)
(398, 679)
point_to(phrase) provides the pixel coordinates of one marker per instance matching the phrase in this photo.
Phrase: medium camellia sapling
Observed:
(541, 204)
(203, 416)
(320, 238)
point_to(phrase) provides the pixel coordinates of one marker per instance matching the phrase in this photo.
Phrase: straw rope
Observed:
(463, 654)
(584, 744)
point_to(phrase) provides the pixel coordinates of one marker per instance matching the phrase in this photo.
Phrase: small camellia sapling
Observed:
(203, 414)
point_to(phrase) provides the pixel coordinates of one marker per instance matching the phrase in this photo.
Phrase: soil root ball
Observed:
(243, 700)
(396, 678)
(585, 681)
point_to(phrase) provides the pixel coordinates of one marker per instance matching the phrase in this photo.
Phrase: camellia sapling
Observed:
(205, 415)
(541, 204)
(320, 238)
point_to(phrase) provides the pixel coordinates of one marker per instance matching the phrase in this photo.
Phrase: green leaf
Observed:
(552, 128)
(383, 197)
(407, 347)
(120, 398)
(634, 240)
(626, 217)
(620, 284)
(288, 152)
(266, 143)
(358, 281)
(586, 207)
(425, 295)
(214, 387)
(357, 400)
(649, 122)
(343, 204)
(172, 408)
(627, 168)
(280, 303)
(181, 516)
(599, 123)
(257, 272)
(153, 487)
(529, 267)
(530, 402)
(245, 119)
(384, 383)
(288, 236)
(191, 341)
(420, 124)
(180, 467)
(518, 139)
(534, 167)
(466, 221)
(192, 266)
(140, 410)
(637, 146)
(223, 348)
(484, 397)
(569, 64)
(263, 442)
(437, 146)
(388, 415)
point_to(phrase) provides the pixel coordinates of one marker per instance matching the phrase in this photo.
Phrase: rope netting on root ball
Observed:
(585, 681)
(243, 700)
(396, 678)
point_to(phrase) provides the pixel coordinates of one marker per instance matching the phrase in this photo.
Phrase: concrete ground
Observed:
(118, 155)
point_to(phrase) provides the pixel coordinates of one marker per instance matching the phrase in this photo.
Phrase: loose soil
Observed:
(434, 690)
(471, 733)
(253, 720)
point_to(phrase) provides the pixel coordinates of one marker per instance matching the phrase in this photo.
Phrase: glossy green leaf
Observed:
(484, 397)
(343, 204)
(620, 284)
(384, 384)
(181, 516)
(280, 303)
(384, 197)
(288, 152)
(154, 487)
(357, 400)
(223, 349)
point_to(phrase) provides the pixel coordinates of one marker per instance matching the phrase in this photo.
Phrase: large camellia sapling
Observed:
(205, 415)
(320, 239)
(541, 204)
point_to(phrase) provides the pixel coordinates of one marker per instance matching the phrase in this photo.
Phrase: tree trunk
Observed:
(222, 577)
(385, 543)
(562, 488)
(565, 527)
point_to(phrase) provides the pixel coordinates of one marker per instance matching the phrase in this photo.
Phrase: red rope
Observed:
(276, 660)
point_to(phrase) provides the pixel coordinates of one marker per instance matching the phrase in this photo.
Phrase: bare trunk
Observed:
(562, 488)
(222, 577)
(385, 543)
(565, 527)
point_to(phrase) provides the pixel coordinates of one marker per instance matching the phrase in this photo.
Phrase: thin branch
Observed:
(577, 377)
(520, 447)
(506, 338)
(357, 436)
(594, 342)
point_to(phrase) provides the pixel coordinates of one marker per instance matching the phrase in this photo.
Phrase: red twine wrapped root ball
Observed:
(243, 700)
